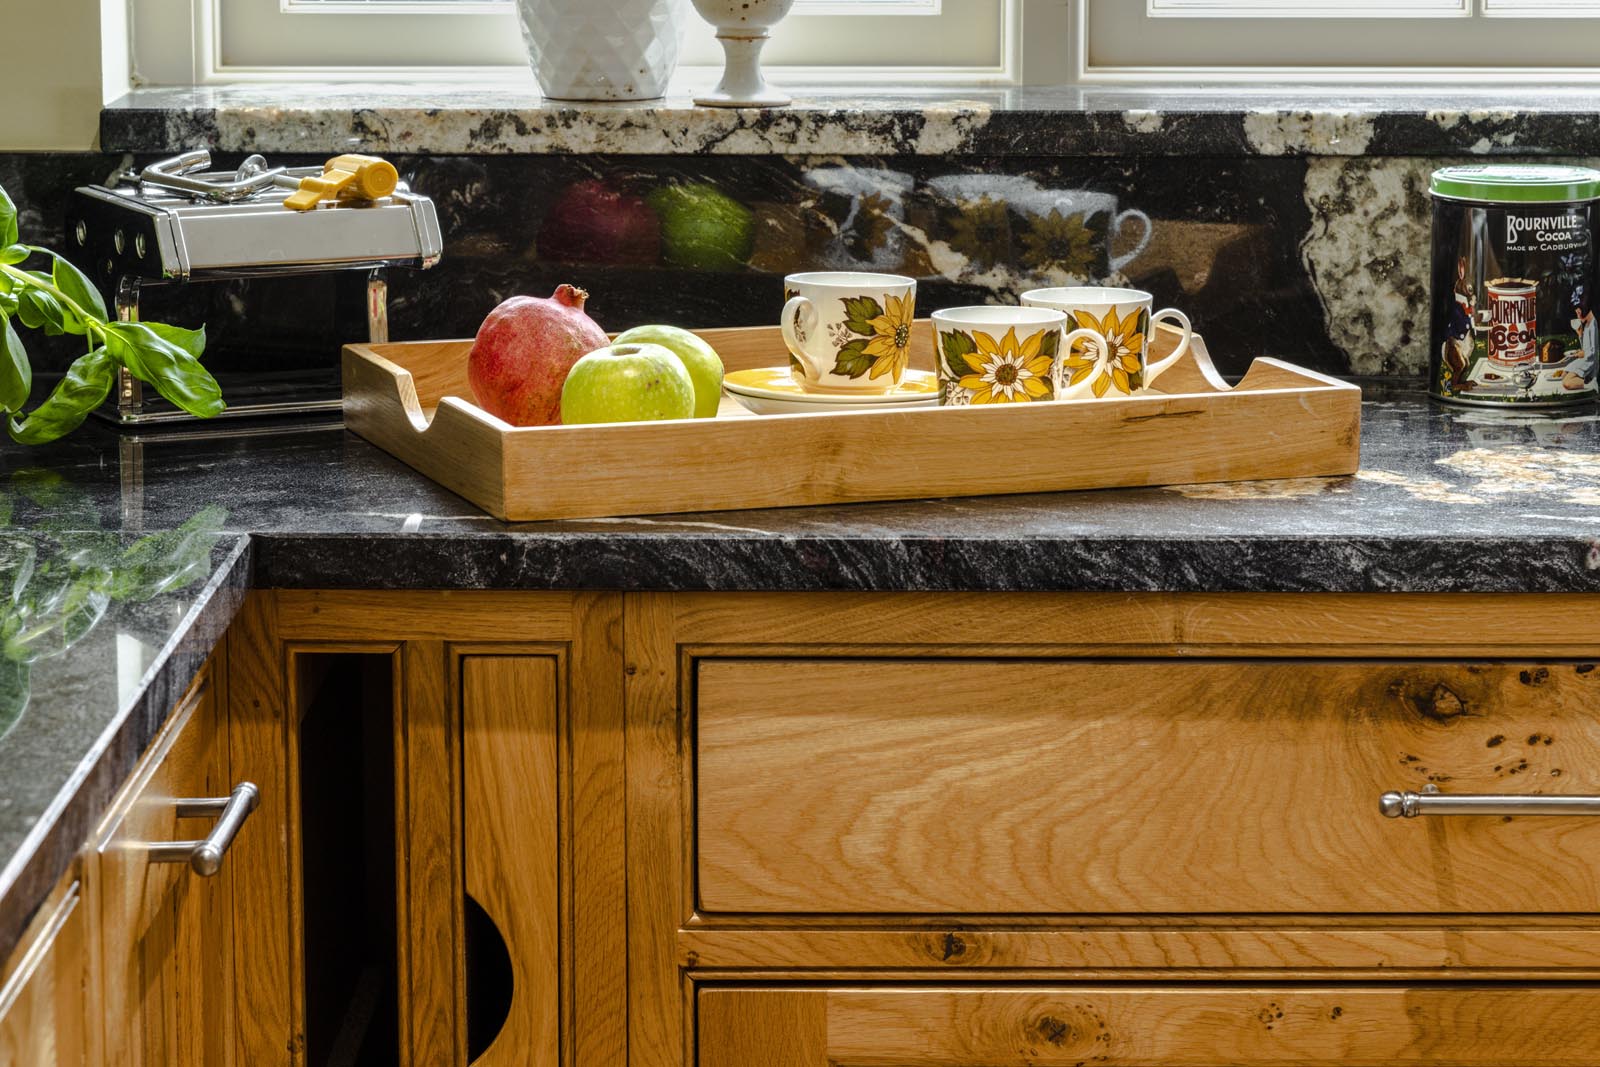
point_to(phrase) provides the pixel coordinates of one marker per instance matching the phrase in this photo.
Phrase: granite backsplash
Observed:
(1317, 258)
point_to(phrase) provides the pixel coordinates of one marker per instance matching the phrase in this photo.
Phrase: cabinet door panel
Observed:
(509, 747)
(1036, 787)
(166, 932)
(43, 1013)
(1151, 1026)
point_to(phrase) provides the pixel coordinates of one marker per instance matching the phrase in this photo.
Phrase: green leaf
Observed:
(37, 308)
(80, 391)
(1050, 344)
(167, 363)
(14, 687)
(8, 220)
(10, 254)
(957, 346)
(16, 373)
(191, 341)
(858, 313)
(78, 288)
(32, 314)
(168, 560)
(853, 360)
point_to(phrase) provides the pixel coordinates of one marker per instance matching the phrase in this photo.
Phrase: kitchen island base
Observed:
(727, 829)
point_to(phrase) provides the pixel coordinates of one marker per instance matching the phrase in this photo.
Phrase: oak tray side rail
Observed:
(1280, 421)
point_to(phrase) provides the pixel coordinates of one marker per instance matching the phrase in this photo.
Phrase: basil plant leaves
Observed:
(62, 300)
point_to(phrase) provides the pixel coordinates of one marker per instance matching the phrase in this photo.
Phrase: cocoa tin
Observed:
(1513, 284)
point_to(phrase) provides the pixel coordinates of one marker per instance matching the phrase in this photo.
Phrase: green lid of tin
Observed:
(1517, 183)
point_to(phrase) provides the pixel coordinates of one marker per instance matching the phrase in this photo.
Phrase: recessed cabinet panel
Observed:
(44, 989)
(1151, 1026)
(510, 778)
(166, 932)
(346, 760)
(1052, 787)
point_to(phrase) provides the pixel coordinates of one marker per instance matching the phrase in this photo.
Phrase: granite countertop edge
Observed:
(680, 561)
(511, 118)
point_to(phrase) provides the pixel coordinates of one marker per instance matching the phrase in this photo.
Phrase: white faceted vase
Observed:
(602, 49)
(743, 28)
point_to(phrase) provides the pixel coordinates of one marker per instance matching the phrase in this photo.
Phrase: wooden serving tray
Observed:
(1280, 421)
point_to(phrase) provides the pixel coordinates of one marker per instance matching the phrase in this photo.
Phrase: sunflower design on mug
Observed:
(1125, 335)
(884, 342)
(848, 332)
(989, 354)
(1003, 371)
(1123, 317)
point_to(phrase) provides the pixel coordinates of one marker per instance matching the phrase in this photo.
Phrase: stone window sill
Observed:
(489, 119)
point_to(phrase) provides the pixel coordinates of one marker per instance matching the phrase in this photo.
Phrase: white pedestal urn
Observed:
(602, 49)
(743, 27)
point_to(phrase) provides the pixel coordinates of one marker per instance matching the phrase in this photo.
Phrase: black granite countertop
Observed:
(499, 118)
(124, 560)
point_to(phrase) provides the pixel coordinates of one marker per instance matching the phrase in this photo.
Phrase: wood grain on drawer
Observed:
(1151, 1026)
(1037, 787)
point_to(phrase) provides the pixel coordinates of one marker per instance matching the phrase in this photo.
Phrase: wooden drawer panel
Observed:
(1039, 787)
(1151, 1026)
(166, 933)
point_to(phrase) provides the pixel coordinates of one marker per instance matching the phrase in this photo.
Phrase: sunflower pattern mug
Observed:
(1123, 317)
(1009, 355)
(848, 332)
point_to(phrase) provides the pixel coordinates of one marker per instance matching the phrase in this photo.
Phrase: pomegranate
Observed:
(593, 223)
(523, 351)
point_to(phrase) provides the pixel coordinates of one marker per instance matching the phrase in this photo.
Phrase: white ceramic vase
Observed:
(602, 49)
(743, 27)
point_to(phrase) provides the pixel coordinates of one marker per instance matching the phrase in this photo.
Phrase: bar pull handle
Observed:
(205, 857)
(1432, 802)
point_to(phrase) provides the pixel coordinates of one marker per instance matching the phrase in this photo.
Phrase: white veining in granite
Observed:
(1367, 256)
(1330, 132)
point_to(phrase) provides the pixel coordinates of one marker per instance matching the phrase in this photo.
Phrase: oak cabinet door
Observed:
(1039, 787)
(43, 990)
(511, 835)
(1151, 1026)
(167, 931)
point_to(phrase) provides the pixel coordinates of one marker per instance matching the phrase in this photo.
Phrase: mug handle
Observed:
(1117, 226)
(1095, 338)
(1151, 370)
(797, 306)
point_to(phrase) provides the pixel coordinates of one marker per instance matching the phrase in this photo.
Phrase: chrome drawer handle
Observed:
(205, 857)
(1432, 802)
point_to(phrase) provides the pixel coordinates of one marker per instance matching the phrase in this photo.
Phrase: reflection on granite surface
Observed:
(99, 632)
(1246, 244)
(59, 578)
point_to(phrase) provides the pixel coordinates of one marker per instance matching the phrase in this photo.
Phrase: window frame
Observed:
(185, 48)
(1054, 50)
(1083, 71)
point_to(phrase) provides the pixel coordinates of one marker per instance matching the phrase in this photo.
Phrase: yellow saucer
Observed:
(777, 383)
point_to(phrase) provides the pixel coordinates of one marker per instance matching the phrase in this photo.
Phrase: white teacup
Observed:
(1010, 355)
(847, 331)
(1123, 317)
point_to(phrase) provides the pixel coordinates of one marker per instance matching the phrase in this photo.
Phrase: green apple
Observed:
(627, 383)
(700, 359)
(703, 228)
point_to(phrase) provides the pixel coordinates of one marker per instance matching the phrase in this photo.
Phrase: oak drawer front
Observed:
(1150, 1026)
(1060, 787)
